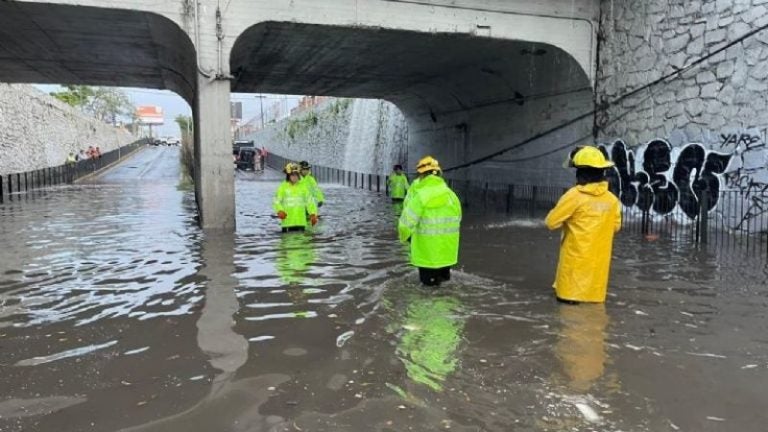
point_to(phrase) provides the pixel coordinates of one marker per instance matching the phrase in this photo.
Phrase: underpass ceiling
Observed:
(58, 44)
(422, 73)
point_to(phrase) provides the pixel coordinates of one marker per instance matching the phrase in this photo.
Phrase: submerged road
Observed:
(117, 313)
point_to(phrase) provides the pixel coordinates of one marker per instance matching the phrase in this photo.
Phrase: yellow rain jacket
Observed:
(589, 215)
(398, 185)
(310, 183)
(296, 201)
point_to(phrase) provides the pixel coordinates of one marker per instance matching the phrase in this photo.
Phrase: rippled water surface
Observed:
(117, 313)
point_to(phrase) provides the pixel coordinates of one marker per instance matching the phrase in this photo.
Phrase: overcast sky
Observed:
(174, 105)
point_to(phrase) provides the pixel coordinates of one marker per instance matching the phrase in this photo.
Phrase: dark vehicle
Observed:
(246, 159)
(243, 153)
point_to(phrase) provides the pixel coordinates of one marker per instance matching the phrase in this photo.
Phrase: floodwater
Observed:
(118, 313)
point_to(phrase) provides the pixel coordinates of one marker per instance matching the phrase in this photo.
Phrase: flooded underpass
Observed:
(117, 312)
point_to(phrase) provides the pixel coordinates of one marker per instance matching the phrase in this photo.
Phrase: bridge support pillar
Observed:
(214, 178)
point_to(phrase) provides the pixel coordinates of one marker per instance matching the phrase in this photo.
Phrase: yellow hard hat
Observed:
(590, 157)
(426, 164)
(291, 168)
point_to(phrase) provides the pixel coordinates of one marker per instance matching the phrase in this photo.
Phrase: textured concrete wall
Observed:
(644, 40)
(701, 130)
(362, 135)
(38, 131)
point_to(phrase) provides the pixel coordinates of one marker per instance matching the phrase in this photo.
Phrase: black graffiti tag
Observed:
(739, 139)
(657, 160)
(622, 176)
(695, 174)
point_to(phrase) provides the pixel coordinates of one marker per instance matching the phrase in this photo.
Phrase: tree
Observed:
(75, 95)
(185, 125)
(104, 103)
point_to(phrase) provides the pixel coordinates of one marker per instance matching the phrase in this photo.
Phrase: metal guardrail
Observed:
(16, 183)
(737, 219)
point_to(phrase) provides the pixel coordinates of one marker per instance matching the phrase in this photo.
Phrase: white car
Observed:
(172, 141)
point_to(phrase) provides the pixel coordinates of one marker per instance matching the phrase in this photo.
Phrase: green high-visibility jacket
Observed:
(311, 184)
(398, 185)
(431, 219)
(296, 201)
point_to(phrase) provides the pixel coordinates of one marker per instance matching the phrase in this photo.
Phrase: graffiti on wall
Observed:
(748, 174)
(657, 177)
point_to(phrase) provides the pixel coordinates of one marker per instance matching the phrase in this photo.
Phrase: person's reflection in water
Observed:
(295, 256)
(581, 347)
(430, 334)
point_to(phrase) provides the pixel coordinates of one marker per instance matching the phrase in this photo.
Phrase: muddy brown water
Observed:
(118, 313)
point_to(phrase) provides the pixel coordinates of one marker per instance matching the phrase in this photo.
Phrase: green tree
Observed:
(74, 95)
(104, 103)
(187, 154)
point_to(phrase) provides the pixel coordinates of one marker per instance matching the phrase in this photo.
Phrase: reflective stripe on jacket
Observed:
(431, 219)
(589, 215)
(398, 185)
(296, 201)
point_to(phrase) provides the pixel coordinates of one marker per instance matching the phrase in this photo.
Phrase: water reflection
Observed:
(430, 333)
(296, 254)
(581, 345)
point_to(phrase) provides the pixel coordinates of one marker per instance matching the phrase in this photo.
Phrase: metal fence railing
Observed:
(728, 219)
(19, 182)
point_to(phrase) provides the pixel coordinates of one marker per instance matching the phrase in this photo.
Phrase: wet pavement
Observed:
(117, 313)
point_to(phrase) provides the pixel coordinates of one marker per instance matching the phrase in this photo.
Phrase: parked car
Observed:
(237, 148)
(173, 141)
(246, 159)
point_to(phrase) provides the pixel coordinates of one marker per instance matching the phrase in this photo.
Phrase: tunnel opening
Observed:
(462, 96)
(64, 44)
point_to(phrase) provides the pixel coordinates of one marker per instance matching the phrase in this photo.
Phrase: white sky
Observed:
(174, 105)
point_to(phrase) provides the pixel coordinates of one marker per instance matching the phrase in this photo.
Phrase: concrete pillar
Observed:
(214, 178)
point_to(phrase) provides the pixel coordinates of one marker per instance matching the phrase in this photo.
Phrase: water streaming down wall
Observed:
(363, 135)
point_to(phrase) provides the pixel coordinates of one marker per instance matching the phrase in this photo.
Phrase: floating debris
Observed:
(343, 338)
(710, 355)
(136, 351)
(75, 352)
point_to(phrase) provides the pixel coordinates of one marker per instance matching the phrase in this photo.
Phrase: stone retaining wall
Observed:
(38, 131)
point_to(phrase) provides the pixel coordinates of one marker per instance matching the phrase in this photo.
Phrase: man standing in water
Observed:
(309, 181)
(398, 188)
(589, 215)
(293, 202)
(430, 222)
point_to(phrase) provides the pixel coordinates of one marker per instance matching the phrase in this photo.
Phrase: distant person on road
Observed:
(589, 215)
(398, 188)
(71, 159)
(263, 157)
(309, 181)
(398, 184)
(91, 152)
(293, 202)
(97, 152)
(430, 221)
(82, 156)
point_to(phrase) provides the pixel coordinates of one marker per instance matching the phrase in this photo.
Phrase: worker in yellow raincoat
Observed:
(589, 215)
(308, 180)
(293, 202)
(430, 222)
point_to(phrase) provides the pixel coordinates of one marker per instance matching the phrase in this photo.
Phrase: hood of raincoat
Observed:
(595, 189)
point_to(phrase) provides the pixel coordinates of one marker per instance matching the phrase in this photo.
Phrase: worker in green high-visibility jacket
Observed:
(430, 222)
(310, 182)
(293, 202)
(398, 188)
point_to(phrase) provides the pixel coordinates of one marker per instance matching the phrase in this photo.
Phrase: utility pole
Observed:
(261, 104)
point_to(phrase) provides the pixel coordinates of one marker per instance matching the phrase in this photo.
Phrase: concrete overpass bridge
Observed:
(471, 76)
